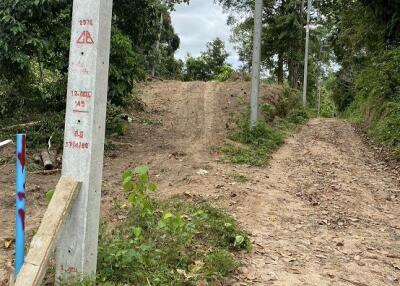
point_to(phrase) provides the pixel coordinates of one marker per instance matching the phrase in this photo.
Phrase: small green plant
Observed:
(137, 183)
(220, 263)
(173, 223)
(49, 195)
(240, 178)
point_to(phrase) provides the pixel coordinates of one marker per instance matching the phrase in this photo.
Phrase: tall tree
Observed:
(283, 43)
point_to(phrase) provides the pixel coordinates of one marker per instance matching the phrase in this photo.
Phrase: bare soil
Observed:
(324, 212)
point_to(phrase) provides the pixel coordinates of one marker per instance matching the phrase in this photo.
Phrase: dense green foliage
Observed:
(363, 39)
(366, 42)
(209, 64)
(282, 37)
(34, 57)
(358, 39)
(283, 41)
(167, 242)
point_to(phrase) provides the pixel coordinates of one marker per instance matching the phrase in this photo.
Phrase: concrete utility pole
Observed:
(255, 76)
(319, 96)
(157, 58)
(76, 252)
(319, 80)
(306, 55)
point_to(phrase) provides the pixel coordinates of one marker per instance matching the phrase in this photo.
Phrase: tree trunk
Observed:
(280, 68)
(291, 68)
(157, 49)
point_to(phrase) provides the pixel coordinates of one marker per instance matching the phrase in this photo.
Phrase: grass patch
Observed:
(262, 140)
(256, 146)
(239, 178)
(170, 242)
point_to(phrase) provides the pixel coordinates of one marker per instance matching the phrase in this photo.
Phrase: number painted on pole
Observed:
(79, 134)
(69, 269)
(81, 93)
(77, 145)
(86, 22)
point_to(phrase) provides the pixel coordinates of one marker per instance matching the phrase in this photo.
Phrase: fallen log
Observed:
(45, 172)
(47, 163)
(29, 124)
(11, 277)
(4, 143)
(121, 143)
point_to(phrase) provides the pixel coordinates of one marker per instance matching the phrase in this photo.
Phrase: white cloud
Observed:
(199, 23)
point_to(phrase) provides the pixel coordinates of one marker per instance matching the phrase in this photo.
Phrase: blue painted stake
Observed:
(20, 198)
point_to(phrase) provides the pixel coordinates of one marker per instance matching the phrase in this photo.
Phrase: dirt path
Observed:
(323, 213)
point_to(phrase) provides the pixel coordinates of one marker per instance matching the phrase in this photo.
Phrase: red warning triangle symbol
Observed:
(85, 38)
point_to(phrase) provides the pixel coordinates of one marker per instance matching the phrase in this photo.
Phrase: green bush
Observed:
(209, 65)
(260, 135)
(381, 78)
(262, 141)
(196, 69)
(298, 116)
(386, 128)
(269, 111)
(116, 120)
(288, 101)
(225, 74)
(343, 93)
(258, 143)
(125, 68)
(378, 98)
(220, 263)
(167, 242)
(50, 125)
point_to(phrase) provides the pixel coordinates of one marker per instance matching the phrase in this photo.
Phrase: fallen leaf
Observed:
(202, 283)
(8, 243)
(202, 172)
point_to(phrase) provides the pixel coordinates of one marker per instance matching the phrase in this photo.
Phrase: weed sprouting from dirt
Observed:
(169, 242)
(239, 178)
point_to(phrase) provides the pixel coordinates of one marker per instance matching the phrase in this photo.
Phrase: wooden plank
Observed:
(4, 143)
(44, 242)
(11, 279)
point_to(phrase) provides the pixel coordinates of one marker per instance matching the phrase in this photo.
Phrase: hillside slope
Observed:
(324, 212)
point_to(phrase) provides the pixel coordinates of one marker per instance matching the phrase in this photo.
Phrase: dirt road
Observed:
(324, 212)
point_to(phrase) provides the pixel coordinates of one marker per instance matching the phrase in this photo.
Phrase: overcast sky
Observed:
(199, 23)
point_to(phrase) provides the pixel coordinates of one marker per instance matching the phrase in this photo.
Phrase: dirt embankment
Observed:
(178, 133)
(323, 213)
